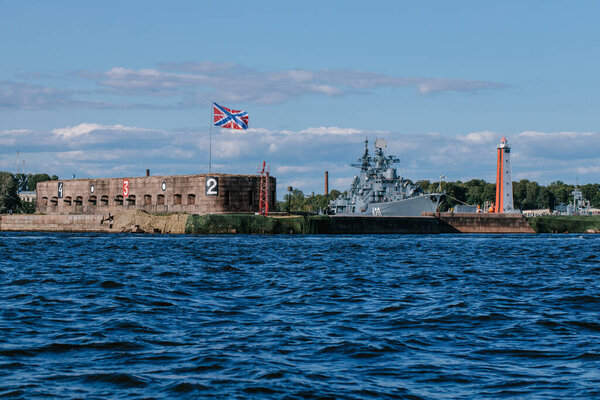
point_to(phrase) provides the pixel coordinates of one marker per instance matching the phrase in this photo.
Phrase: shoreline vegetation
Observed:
(565, 223)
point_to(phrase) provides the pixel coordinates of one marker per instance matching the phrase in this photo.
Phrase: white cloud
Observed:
(299, 157)
(15, 131)
(74, 155)
(198, 82)
(26, 96)
(86, 128)
(550, 135)
(589, 170)
(229, 149)
(286, 169)
(559, 145)
(427, 86)
(479, 137)
(327, 90)
(188, 84)
(329, 130)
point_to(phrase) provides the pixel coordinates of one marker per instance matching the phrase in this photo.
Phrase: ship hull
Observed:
(410, 207)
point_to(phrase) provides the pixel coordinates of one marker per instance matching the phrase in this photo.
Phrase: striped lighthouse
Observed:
(504, 193)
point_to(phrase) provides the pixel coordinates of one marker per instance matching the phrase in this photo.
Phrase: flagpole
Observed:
(210, 137)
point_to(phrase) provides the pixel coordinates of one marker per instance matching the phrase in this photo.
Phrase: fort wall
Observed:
(193, 194)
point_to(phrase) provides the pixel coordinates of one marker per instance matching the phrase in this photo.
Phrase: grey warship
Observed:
(380, 191)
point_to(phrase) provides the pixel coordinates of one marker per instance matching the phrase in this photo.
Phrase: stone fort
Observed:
(193, 194)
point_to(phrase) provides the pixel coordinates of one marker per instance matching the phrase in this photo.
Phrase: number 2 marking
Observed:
(211, 187)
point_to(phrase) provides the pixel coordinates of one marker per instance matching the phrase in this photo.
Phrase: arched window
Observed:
(78, 201)
(68, 201)
(54, 201)
(119, 200)
(191, 199)
(93, 200)
(147, 200)
(160, 199)
(104, 200)
(131, 200)
(176, 199)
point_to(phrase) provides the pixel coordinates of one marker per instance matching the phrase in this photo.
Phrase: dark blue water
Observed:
(433, 317)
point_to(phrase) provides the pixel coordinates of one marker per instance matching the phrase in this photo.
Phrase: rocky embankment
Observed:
(142, 222)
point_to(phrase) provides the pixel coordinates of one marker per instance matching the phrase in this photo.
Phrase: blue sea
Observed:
(94, 316)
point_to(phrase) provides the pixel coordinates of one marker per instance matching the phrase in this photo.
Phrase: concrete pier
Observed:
(482, 223)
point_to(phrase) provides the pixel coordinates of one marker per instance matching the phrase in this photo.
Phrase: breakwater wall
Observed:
(53, 223)
(482, 223)
(566, 224)
(126, 221)
(143, 222)
(318, 224)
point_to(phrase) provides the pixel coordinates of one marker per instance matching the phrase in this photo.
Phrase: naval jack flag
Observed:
(225, 118)
(228, 118)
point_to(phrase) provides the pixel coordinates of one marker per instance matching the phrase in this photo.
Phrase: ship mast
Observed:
(365, 161)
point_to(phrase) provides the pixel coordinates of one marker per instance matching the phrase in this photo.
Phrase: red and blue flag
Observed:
(228, 118)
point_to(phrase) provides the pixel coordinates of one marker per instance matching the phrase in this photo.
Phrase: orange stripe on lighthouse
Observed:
(501, 170)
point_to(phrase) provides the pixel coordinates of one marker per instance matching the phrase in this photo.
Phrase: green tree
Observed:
(545, 198)
(591, 192)
(9, 199)
(474, 191)
(426, 185)
(560, 191)
(455, 194)
(489, 193)
(33, 180)
(312, 203)
(531, 195)
(26, 207)
(22, 181)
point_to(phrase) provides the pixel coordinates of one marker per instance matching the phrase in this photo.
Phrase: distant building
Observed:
(537, 213)
(197, 194)
(464, 208)
(27, 196)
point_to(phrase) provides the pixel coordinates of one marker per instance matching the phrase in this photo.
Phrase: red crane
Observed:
(263, 203)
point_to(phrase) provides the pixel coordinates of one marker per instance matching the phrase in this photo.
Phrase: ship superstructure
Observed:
(379, 190)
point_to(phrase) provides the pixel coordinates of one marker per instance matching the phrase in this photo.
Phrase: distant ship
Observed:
(380, 191)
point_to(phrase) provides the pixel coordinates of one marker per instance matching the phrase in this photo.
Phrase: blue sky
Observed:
(117, 87)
